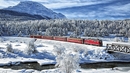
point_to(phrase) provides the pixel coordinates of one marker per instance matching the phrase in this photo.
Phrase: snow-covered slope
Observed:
(35, 8)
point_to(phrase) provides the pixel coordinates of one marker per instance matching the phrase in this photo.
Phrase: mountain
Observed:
(35, 8)
(13, 15)
(112, 9)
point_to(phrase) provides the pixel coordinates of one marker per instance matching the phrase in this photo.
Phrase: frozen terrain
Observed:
(45, 54)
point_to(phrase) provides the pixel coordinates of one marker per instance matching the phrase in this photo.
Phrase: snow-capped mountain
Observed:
(35, 8)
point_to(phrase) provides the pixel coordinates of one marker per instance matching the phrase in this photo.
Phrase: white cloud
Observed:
(70, 4)
(64, 5)
(40, 0)
(108, 12)
(118, 10)
(54, 4)
(48, 1)
(4, 3)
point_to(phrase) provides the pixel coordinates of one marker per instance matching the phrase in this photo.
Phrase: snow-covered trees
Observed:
(58, 50)
(129, 39)
(9, 48)
(30, 48)
(61, 27)
(67, 62)
(77, 32)
(119, 39)
(55, 31)
(19, 34)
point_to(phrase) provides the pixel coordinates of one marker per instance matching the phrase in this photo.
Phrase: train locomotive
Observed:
(88, 41)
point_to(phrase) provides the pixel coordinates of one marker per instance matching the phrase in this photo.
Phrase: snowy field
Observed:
(45, 54)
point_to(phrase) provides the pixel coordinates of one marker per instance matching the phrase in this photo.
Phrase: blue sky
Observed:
(112, 9)
(54, 4)
(107, 9)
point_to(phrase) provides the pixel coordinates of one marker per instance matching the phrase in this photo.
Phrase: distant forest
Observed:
(65, 27)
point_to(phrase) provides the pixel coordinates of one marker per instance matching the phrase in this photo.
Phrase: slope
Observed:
(35, 8)
(13, 15)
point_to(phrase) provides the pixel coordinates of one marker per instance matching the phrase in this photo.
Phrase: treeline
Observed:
(64, 27)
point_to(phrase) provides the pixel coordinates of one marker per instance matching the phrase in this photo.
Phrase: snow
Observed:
(46, 55)
(109, 70)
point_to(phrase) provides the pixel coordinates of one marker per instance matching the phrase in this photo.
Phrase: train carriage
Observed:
(36, 36)
(47, 37)
(58, 38)
(75, 40)
(95, 42)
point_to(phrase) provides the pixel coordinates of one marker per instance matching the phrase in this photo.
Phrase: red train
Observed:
(95, 42)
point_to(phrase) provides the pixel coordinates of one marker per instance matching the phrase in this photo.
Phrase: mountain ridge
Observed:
(35, 8)
(13, 15)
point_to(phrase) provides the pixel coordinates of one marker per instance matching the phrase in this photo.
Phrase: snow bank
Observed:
(96, 56)
(86, 52)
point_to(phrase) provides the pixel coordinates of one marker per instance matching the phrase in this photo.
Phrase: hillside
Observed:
(35, 8)
(13, 15)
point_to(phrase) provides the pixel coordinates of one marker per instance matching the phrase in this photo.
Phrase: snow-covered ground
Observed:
(45, 54)
(107, 70)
